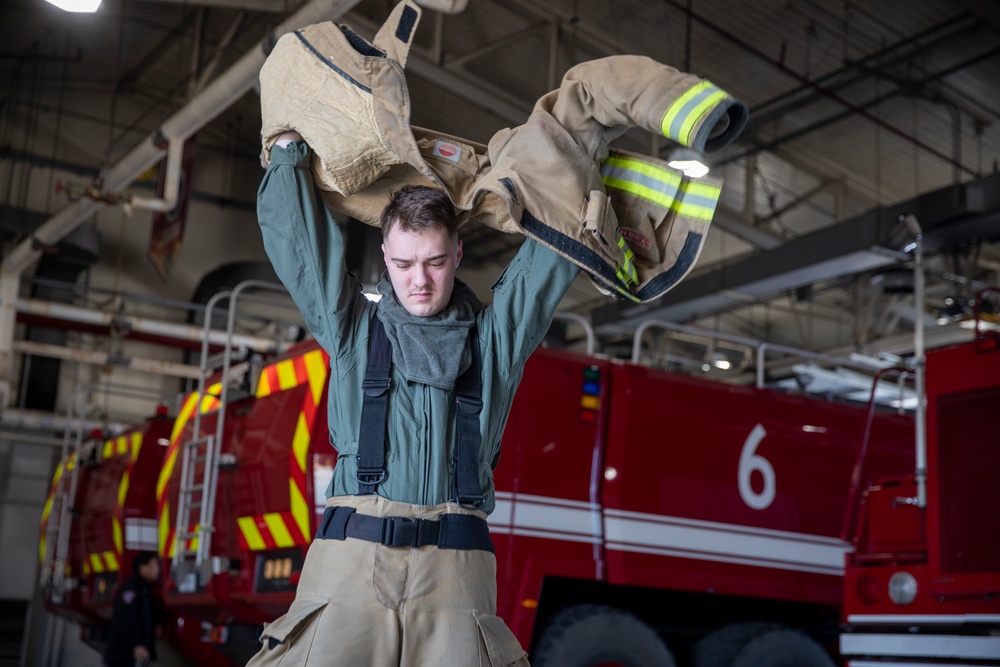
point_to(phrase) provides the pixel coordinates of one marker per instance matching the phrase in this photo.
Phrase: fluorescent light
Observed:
(722, 363)
(687, 161)
(79, 6)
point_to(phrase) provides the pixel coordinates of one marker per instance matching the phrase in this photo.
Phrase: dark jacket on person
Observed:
(132, 622)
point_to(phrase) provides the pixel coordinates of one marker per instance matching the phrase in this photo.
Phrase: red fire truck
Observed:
(100, 514)
(922, 586)
(643, 516)
(233, 536)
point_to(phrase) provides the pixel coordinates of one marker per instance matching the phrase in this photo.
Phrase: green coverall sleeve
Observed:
(306, 247)
(525, 299)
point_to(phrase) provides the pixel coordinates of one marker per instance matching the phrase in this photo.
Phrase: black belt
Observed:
(450, 531)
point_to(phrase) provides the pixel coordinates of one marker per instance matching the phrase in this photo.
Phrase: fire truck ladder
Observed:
(192, 564)
(73, 454)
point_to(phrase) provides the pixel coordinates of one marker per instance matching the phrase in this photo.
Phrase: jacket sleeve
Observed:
(525, 298)
(126, 619)
(306, 247)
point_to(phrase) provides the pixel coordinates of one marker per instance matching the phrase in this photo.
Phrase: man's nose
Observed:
(420, 275)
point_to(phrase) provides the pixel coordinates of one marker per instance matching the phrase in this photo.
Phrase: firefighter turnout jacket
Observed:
(634, 224)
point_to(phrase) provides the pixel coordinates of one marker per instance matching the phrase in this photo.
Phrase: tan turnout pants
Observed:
(362, 604)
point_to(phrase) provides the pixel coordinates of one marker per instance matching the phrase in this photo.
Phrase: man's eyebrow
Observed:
(404, 260)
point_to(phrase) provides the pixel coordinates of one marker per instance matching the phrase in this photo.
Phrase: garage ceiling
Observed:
(860, 111)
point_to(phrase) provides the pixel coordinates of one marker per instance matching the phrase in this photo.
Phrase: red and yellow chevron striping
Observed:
(286, 529)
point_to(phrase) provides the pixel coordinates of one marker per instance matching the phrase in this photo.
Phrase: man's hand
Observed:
(140, 653)
(286, 138)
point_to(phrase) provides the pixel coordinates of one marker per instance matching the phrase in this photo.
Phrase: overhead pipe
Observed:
(161, 329)
(98, 358)
(172, 185)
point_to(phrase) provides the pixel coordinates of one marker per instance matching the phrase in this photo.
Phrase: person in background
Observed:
(132, 641)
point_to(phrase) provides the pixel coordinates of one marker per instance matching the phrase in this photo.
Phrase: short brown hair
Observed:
(418, 207)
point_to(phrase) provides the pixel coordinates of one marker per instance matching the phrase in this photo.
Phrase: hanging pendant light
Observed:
(77, 6)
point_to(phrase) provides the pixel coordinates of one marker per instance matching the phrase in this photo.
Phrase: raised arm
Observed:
(306, 247)
(525, 299)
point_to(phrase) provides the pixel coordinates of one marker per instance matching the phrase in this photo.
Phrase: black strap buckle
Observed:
(375, 387)
(470, 405)
(399, 531)
(372, 476)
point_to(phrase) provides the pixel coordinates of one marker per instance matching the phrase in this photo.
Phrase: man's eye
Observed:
(402, 267)
(437, 265)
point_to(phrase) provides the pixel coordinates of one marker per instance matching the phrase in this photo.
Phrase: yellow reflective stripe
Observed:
(109, 449)
(697, 200)
(41, 549)
(122, 446)
(279, 531)
(263, 385)
(647, 181)
(47, 508)
(300, 509)
(300, 442)
(286, 374)
(164, 528)
(96, 564)
(248, 526)
(116, 531)
(136, 444)
(628, 265)
(123, 489)
(110, 561)
(686, 111)
(316, 369)
(86, 568)
(183, 416)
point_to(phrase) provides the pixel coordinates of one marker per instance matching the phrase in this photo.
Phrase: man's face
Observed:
(422, 268)
(151, 570)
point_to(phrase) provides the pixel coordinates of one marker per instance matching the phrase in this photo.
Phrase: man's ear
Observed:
(458, 253)
(386, 259)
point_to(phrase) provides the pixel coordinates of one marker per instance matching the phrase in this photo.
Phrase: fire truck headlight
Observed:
(902, 588)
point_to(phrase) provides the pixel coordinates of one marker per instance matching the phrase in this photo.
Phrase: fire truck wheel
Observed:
(783, 648)
(720, 648)
(589, 635)
(758, 645)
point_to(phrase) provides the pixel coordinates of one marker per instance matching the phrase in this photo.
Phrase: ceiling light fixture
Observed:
(688, 161)
(77, 6)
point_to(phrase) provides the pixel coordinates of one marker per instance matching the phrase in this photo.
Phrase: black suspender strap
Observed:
(374, 418)
(468, 396)
(374, 409)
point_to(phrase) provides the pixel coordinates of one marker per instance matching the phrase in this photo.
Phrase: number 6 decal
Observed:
(750, 461)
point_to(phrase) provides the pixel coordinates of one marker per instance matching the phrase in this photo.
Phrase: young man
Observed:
(132, 640)
(402, 569)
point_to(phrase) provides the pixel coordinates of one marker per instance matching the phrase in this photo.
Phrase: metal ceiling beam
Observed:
(472, 90)
(949, 216)
(987, 10)
(783, 68)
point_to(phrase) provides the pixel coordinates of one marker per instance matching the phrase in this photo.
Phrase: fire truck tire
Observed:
(758, 645)
(783, 648)
(588, 635)
(720, 648)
